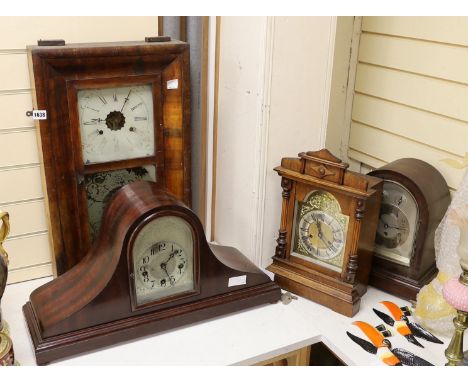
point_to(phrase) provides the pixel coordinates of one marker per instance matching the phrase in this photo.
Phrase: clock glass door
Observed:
(397, 226)
(119, 129)
(116, 123)
(320, 231)
(163, 261)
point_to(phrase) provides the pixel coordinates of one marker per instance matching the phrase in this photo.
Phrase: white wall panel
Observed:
(427, 58)
(450, 30)
(18, 148)
(411, 92)
(13, 109)
(20, 184)
(428, 128)
(14, 74)
(22, 31)
(26, 217)
(274, 87)
(28, 251)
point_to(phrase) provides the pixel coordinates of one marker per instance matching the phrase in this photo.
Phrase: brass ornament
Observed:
(4, 231)
(6, 345)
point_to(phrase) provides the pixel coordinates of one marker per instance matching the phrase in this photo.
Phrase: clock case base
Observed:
(345, 299)
(58, 347)
(400, 286)
(92, 305)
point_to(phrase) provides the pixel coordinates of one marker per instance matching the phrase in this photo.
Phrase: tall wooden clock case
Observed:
(328, 224)
(116, 113)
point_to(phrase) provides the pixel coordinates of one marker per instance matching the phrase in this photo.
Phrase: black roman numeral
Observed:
(137, 105)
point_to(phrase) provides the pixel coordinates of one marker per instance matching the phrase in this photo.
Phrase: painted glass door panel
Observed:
(101, 186)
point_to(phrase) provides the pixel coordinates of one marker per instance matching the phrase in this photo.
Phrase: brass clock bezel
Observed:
(296, 226)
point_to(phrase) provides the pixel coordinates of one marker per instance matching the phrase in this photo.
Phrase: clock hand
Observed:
(319, 228)
(396, 227)
(169, 258)
(320, 233)
(163, 267)
(126, 99)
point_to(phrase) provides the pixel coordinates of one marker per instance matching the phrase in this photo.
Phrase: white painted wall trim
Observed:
(210, 121)
(328, 81)
(353, 60)
(267, 45)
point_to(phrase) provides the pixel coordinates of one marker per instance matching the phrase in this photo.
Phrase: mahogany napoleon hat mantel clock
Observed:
(414, 201)
(328, 224)
(116, 113)
(150, 269)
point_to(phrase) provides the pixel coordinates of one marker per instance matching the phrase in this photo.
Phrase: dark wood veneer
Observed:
(57, 72)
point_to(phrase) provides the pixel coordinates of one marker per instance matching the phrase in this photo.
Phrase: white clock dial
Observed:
(163, 263)
(161, 266)
(116, 123)
(397, 226)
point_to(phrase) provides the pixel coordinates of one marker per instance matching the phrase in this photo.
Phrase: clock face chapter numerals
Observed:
(163, 260)
(161, 266)
(321, 235)
(116, 123)
(320, 230)
(398, 220)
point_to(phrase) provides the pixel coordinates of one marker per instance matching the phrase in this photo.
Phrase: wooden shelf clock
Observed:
(150, 269)
(328, 223)
(116, 113)
(414, 201)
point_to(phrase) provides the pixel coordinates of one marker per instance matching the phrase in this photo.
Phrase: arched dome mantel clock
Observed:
(150, 269)
(414, 201)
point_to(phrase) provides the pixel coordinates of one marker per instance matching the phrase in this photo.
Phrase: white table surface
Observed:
(242, 338)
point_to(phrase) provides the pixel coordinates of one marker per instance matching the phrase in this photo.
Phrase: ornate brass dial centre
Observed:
(115, 120)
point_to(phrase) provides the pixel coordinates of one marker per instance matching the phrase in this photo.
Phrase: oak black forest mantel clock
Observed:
(150, 269)
(326, 237)
(414, 201)
(116, 113)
